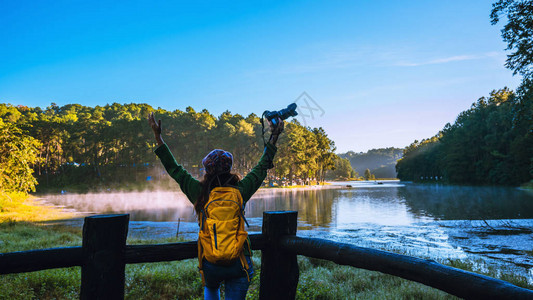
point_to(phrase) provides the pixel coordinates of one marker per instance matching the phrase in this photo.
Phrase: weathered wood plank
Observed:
(160, 252)
(258, 241)
(174, 251)
(279, 268)
(454, 281)
(104, 264)
(37, 260)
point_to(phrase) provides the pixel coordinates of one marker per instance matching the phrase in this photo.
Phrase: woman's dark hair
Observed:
(211, 181)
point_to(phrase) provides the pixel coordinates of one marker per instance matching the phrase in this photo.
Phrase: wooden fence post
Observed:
(279, 268)
(104, 245)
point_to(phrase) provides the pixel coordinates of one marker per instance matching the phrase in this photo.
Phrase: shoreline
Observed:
(327, 184)
(20, 207)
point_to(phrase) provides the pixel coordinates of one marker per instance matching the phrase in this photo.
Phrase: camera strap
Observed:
(270, 164)
(263, 129)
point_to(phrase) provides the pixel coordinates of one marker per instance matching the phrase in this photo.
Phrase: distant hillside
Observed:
(381, 162)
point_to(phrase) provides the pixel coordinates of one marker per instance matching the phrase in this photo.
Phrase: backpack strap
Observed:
(244, 263)
(245, 266)
(242, 215)
(203, 217)
(200, 259)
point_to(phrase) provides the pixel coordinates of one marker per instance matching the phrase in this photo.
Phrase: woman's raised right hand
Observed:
(156, 128)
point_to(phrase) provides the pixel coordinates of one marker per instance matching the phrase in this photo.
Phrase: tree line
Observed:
(17, 152)
(487, 144)
(380, 162)
(112, 145)
(492, 142)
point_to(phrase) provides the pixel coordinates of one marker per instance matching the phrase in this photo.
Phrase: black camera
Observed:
(283, 114)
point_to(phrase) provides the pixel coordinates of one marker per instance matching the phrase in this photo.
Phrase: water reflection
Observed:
(389, 204)
(467, 203)
(314, 206)
(372, 205)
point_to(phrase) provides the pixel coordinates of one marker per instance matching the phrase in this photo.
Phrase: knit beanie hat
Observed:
(218, 161)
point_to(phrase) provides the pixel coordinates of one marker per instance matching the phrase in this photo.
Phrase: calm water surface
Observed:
(493, 224)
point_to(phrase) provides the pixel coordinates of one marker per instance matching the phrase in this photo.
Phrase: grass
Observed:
(319, 279)
(22, 236)
(528, 185)
(15, 207)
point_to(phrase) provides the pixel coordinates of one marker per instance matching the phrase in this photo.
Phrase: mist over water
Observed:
(142, 206)
(391, 203)
(432, 221)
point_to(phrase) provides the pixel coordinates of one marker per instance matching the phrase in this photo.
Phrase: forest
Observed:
(487, 144)
(112, 146)
(492, 142)
(380, 162)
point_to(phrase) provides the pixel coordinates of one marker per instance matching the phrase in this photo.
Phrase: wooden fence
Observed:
(104, 255)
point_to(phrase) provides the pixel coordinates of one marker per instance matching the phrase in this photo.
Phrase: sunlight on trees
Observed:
(18, 152)
(76, 144)
(485, 145)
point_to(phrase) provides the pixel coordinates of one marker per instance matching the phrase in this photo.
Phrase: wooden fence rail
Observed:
(454, 281)
(104, 254)
(38, 260)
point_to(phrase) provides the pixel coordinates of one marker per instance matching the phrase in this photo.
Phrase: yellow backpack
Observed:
(222, 234)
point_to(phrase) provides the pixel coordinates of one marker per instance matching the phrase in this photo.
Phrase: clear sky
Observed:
(384, 73)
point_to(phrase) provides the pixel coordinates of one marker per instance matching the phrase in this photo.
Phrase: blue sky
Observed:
(384, 72)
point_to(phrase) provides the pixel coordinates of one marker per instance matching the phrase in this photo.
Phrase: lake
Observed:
(491, 224)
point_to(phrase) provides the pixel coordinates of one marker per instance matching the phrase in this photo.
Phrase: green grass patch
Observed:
(23, 236)
(528, 185)
(319, 279)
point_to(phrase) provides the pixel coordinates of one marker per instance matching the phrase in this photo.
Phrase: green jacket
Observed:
(191, 187)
